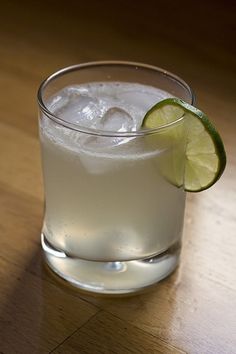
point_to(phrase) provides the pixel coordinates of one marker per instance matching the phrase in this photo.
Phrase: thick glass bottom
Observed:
(112, 277)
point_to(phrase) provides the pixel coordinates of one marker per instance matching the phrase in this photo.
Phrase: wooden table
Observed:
(192, 311)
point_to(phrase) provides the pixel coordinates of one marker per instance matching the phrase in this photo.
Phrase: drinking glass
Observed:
(114, 199)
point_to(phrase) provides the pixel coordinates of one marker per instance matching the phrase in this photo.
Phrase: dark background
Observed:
(191, 38)
(194, 39)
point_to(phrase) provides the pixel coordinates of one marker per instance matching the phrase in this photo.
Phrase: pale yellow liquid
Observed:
(107, 200)
(127, 212)
(107, 203)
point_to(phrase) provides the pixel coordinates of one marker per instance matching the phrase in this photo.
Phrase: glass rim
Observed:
(100, 132)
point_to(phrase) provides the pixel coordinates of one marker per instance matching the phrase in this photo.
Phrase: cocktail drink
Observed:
(113, 188)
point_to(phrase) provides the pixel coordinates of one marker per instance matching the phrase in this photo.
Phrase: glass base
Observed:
(112, 277)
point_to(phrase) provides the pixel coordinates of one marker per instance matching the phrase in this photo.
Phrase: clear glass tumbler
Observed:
(113, 190)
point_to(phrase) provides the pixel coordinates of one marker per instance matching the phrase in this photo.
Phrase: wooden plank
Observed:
(20, 161)
(106, 334)
(186, 311)
(35, 316)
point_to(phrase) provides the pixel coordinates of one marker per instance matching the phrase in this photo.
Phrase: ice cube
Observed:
(117, 119)
(81, 110)
(76, 105)
(100, 152)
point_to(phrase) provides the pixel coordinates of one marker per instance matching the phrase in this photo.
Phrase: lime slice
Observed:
(204, 155)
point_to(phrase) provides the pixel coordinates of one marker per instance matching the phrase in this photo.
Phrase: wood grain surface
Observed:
(194, 310)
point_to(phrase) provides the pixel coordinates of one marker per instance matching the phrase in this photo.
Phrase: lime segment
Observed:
(204, 157)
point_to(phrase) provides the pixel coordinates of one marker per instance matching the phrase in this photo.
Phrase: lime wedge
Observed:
(204, 156)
